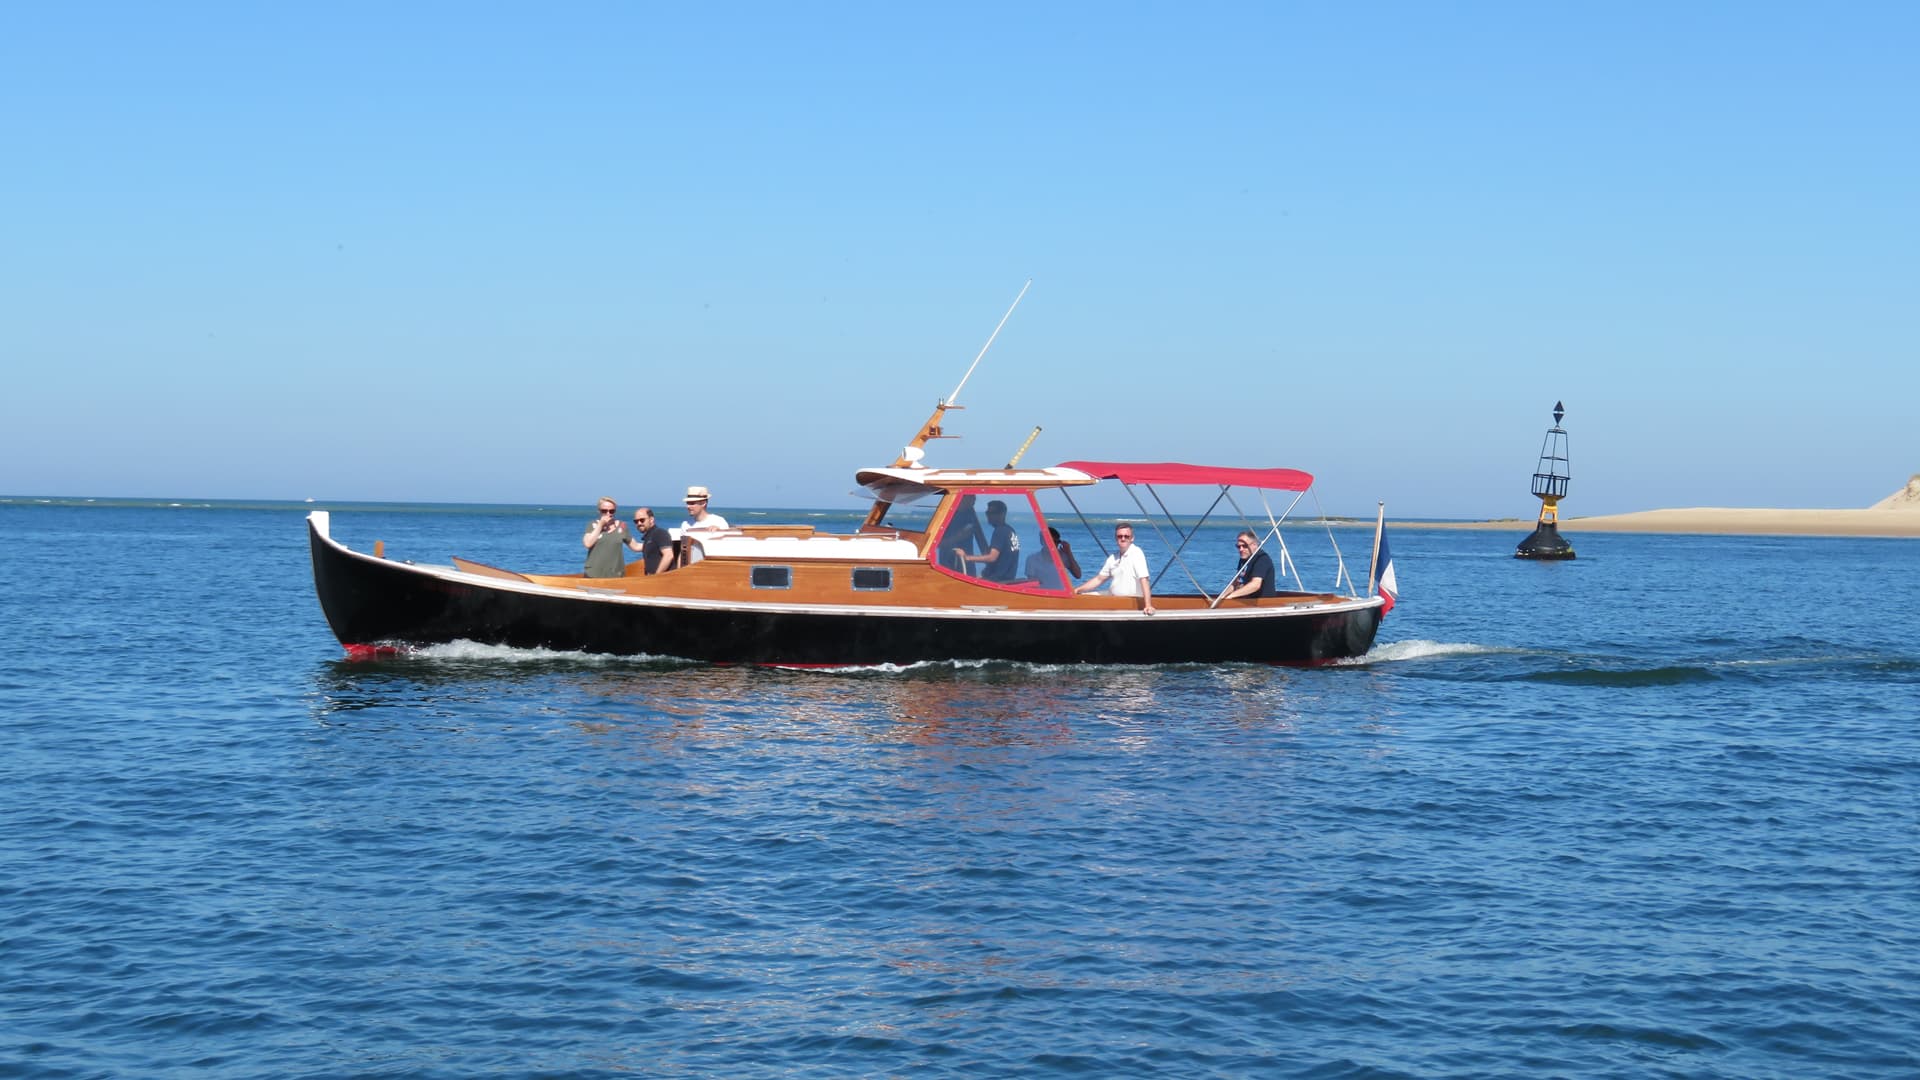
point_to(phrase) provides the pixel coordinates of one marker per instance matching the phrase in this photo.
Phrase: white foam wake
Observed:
(463, 650)
(1394, 651)
(474, 650)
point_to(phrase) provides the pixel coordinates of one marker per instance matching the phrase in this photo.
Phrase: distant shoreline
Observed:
(1724, 521)
(1901, 521)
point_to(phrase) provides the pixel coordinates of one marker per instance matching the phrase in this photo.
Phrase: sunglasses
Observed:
(1123, 536)
(1242, 545)
(609, 509)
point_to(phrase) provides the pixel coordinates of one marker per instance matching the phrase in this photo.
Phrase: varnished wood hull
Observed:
(372, 601)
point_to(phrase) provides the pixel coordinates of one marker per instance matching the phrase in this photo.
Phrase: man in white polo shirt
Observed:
(1127, 568)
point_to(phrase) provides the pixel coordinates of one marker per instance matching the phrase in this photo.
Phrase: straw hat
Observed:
(696, 493)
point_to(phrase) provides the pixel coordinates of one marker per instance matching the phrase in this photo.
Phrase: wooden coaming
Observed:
(471, 567)
(915, 584)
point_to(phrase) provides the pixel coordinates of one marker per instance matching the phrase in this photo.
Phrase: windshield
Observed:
(999, 538)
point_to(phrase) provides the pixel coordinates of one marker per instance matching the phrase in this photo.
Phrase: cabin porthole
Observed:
(772, 577)
(872, 579)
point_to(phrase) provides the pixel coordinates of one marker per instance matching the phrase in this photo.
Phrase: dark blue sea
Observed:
(1655, 812)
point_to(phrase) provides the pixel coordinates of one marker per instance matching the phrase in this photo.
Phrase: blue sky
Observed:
(460, 252)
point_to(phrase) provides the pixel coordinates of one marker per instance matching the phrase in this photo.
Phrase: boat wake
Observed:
(1618, 672)
(1561, 668)
(1397, 651)
(464, 651)
(1626, 678)
(474, 650)
(1875, 663)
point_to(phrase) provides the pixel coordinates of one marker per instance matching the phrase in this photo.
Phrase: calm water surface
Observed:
(1655, 812)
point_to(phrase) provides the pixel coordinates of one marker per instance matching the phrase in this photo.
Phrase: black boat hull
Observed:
(370, 601)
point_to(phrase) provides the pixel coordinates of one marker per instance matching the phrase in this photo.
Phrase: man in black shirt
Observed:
(655, 544)
(1001, 561)
(1256, 570)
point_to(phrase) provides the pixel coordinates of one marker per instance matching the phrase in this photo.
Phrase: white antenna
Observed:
(955, 396)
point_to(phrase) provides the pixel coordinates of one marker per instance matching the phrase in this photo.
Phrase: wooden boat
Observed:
(884, 593)
(788, 595)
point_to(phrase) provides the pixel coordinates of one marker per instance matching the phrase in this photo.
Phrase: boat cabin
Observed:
(986, 528)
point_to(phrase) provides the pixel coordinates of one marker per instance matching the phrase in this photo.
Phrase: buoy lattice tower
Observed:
(1550, 479)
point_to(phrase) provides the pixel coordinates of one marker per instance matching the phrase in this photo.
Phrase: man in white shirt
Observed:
(1127, 568)
(698, 520)
(697, 515)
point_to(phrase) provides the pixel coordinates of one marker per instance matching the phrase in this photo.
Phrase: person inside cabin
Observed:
(1066, 552)
(606, 535)
(963, 535)
(655, 544)
(1001, 560)
(1041, 567)
(699, 519)
(1126, 568)
(1256, 576)
(1040, 570)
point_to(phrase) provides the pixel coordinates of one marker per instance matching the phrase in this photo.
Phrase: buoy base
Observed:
(1544, 543)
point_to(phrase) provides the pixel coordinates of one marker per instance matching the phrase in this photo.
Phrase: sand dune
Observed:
(1896, 515)
(1744, 521)
(1907, 498)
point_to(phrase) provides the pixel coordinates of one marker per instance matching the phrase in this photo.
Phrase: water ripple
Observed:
(1504, 843)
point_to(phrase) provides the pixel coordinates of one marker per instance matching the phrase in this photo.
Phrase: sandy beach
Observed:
(1896, 515)
(1754, 522)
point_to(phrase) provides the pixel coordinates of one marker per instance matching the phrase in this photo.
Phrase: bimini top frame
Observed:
(1226, 478)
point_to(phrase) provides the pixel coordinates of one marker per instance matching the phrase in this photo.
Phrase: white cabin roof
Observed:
(905, 485)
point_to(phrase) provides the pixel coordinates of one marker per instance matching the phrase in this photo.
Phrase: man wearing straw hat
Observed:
(698, 520)
(697, 515)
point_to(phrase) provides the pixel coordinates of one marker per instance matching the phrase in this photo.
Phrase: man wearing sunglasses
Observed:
(699, 519)
(656, 543)
(1256, 569)
(605, 537)
(1127, 567)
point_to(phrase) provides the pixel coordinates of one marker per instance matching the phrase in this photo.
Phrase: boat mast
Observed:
(911, 453)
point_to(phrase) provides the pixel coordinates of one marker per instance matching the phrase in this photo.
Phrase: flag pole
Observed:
(1373, 564)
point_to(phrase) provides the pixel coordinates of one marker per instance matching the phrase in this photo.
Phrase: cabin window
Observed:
(773, 577)
(997, 537)
(910, 517)
(872, 579)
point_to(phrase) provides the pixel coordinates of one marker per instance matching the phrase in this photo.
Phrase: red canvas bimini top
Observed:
(1173, 472)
